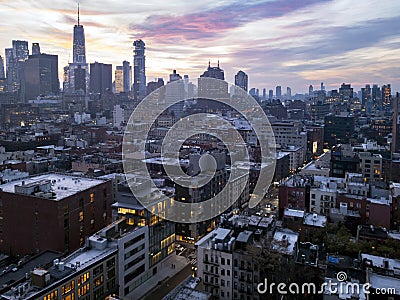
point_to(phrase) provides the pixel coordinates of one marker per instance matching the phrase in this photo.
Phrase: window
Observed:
(83, 278)
(312, 196)
(98, 270)
(91, 197)
(222, 261)
(110, 263)
(68, 287)
(52, 296)
(80, 216)
(223, 272)
(84, 290)
(99, 281)
(69, 297)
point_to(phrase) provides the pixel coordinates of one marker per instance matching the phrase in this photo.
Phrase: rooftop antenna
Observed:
(218, 63)
(209, 63)
(78, 15)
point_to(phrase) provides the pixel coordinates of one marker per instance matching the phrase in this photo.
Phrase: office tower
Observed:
(241, 80)
(346, 92)
(119, 79)
(175, 90)
(79, 64)
(79, 78)
(213, 89)
(338, 129)
(41, 76)
(386, 95)
(214, 72)
(365, 94)
(310, 90)
(289, 92)
(154, 85)
(278, 92)
(35, 49)
(20, 49)
(376, 95)
(396, 125)
(270, 94)
(139, 71)
(127, 76)
(264, 93)
(79, 49)
(100, 77)
(322, 86)
(15, 58)
(2, 74)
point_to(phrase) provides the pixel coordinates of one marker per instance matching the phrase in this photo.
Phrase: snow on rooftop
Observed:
(384, 282)
(293, 213)
(378, 261)
(61, 184)
(315, 220)
(284, 241)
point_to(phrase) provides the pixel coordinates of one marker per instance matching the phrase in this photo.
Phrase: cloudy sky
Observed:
(287, 42)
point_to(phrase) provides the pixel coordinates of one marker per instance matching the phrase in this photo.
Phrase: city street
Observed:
(169, 284)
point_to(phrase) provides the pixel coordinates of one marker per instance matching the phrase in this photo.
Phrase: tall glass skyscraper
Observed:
(139, 71)
(2, 74)
(79, 49)
(241, 80)
(77, 82)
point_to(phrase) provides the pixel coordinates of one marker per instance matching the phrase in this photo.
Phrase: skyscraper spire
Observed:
(78, 15)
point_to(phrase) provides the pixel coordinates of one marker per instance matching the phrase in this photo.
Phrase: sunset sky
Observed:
(289, 42)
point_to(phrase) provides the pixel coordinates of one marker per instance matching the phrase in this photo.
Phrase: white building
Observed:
(118, 116)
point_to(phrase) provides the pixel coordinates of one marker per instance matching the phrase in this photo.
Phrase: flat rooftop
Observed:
(284, 241)
(62, 185)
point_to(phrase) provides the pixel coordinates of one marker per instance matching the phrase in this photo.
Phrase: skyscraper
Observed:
(35, 49)
(175, 90)
(79, 61)
(213, 89)
(278, 92)
(241, 80)
(100, 78)
(139, 71)
(127, 76)
(79, 49)
(288, 92)
(270, 94)
(2, 74)
(376, 95)
(310, 90)
(41, 76)
(15, 58)
(386, 95)
(119, 79)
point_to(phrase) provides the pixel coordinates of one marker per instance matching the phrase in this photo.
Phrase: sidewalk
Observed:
(165, 271)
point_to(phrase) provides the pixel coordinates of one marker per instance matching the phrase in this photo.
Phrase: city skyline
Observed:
(276, 43)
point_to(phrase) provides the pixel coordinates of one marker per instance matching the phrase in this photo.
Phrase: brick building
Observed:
(52, 212)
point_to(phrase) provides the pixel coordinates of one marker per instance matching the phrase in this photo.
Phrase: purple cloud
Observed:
(208, 24)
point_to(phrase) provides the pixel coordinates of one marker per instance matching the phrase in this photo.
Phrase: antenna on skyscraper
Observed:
(78, 15)
(218, 63)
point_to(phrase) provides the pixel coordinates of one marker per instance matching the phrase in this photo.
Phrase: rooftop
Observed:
(284, 241)
(293, 213)
(378, 261)
(315, 220)
(384, 282)
(62, 185)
